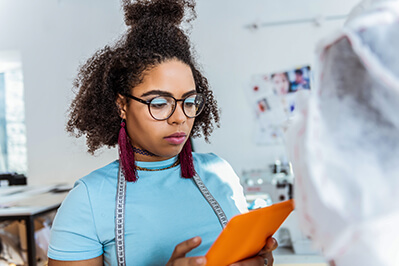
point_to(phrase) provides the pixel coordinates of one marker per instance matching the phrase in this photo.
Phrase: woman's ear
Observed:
(122, 106)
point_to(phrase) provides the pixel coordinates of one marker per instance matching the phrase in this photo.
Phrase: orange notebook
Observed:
(245, 234)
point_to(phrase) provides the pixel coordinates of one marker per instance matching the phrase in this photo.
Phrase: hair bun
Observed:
(167, 11)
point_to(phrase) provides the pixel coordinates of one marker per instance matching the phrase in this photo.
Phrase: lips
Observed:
(176, 138)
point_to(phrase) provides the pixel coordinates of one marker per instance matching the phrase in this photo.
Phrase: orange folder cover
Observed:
(245, 234)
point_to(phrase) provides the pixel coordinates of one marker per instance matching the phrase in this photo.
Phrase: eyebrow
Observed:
(165, 93)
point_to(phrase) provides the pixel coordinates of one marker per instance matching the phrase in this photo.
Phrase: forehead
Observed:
(171, 76)
(279, 76)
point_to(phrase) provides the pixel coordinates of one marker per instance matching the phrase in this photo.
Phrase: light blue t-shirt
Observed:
(162, 210)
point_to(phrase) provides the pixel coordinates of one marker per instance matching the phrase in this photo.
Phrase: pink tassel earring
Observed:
(186, 161)
(126, 155)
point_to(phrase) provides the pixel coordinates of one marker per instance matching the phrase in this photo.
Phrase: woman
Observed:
(281, 83)
(150, 207)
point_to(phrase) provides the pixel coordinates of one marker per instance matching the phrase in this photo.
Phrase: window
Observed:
(13, 153)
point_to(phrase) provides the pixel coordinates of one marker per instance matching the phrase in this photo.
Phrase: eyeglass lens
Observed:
(162, 107)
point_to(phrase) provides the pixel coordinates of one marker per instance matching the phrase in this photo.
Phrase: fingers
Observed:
(266, 252)
(178, 255)
(271, 244)
(192, 261)
(254, 261)
(268, 259)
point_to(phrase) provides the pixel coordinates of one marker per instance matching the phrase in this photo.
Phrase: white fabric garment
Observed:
(344, 143)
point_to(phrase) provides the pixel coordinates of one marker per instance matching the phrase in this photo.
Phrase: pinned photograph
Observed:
(272, 97)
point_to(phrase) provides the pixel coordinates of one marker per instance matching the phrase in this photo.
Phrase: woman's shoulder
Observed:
(107, 173)
(95, 187)
(209, 159)
(206, 157)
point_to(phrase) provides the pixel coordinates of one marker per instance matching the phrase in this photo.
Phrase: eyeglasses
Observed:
(162, 107)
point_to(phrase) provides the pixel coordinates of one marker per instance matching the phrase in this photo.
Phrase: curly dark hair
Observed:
(154, 36)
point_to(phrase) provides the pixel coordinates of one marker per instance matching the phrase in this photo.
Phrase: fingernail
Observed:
(200, 260)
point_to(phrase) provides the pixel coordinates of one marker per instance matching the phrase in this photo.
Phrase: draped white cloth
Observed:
(344, 142)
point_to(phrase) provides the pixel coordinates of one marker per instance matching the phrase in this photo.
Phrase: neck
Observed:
(143, 152)
(147, 156)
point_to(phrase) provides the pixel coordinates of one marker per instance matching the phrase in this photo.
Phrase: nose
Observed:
(178, 116)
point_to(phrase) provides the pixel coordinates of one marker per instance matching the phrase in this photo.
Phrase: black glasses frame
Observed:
(148, 102)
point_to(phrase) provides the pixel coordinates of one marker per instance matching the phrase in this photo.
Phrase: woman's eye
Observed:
(158, 103)
(189, 102)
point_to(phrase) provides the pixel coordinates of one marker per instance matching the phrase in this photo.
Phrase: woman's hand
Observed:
(178, 257)
(264, 257)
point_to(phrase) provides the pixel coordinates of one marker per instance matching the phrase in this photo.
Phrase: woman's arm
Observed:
(92, 262)
(74, 234)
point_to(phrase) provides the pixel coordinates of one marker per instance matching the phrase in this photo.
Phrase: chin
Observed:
(170, 152)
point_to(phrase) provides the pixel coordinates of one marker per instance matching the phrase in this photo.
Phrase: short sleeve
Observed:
(73, 234)
(238, 192)
(216, 168)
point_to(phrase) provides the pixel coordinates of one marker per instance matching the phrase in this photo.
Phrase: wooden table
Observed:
(24, 203)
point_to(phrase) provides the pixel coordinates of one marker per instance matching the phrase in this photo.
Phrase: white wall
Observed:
(231, 53)
(55, 36)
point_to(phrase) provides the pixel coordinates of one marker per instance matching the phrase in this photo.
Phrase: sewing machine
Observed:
(263, 187)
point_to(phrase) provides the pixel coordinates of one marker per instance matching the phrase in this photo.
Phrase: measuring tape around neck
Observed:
(120, 218)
